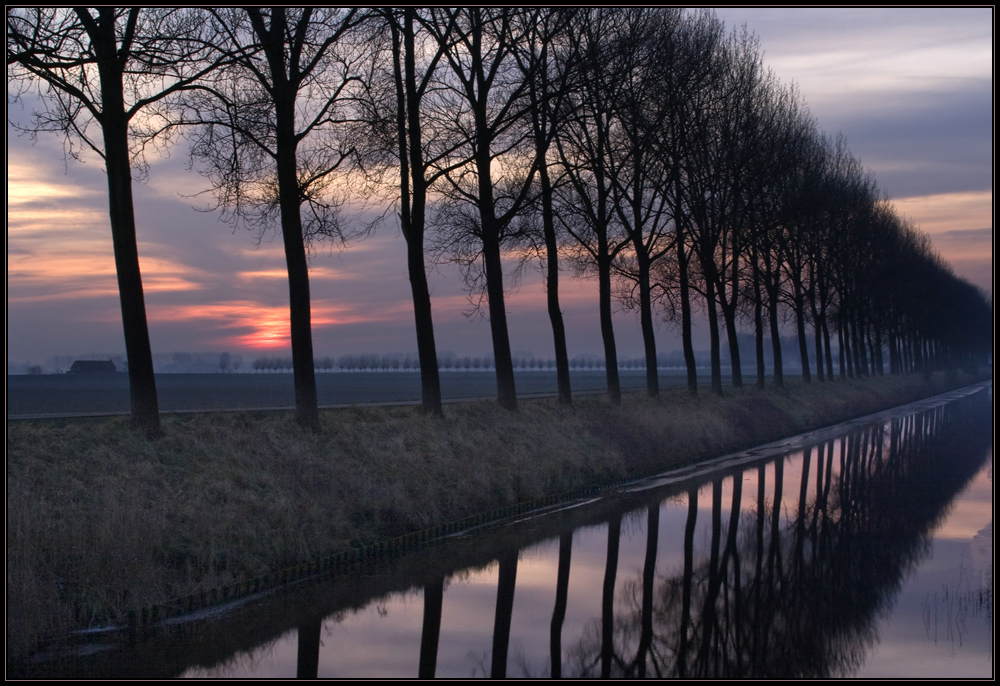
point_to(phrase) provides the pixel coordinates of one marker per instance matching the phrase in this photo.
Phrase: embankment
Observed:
(101, 522)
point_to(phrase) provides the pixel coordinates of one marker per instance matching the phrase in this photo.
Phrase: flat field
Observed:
(68, 394)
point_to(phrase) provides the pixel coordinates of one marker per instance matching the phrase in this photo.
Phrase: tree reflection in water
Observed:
(799, 596)
(786, 580)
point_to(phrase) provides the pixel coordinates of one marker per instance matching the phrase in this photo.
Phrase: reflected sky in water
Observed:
(860, 551)
(938, 628)
(720, 603)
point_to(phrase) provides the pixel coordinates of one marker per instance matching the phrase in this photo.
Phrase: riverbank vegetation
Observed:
(102, 522)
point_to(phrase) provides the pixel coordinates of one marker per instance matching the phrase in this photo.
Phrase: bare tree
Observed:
(272, 135)
(641, 186)
(489, 95)
(408, 135)
(115, 67)
(586, 154)
(685, 88)
(548, 71)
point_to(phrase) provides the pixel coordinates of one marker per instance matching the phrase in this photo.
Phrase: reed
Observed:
(102, 523)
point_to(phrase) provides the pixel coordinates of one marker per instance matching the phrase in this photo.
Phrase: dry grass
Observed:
(101, 522)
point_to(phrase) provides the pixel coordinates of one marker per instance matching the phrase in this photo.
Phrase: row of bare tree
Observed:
(649, 146)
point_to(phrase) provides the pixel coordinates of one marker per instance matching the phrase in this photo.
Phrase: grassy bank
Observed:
(101, 522)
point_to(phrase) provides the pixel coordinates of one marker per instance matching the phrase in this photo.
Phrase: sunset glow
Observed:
(910, 89)
(261, 327)
(949, 211)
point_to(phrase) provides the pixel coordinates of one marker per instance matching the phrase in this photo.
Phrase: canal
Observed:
(864, 550)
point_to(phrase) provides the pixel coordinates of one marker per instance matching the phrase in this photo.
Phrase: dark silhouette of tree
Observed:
(790, 133)
(757, 206)
(431, 631)
(307, 662)
(272, 136)
(488, 191)
(415, 139)
(743, 129)
(115, 67)
(641, 186)
(585, 144)
(721, 119)
(559, 610)
(796, 238)
(543, 60)
(690, 78)
(506, 584)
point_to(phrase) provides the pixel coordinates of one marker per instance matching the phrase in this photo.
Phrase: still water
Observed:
(864, 551)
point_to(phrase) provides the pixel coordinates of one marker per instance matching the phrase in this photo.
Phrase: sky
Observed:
(911, 89)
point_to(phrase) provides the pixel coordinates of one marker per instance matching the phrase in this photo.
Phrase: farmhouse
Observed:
(93, 367)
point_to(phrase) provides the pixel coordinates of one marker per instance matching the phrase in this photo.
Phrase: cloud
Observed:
(83, 269)
(911, 88)
(316, 273)
(966, 247)
(976, 237)
(942, 212)
(926, 142)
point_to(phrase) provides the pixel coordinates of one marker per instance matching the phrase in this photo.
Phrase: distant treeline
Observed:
(522, 361)
(228, 363)
(163, 363)
(450, 362)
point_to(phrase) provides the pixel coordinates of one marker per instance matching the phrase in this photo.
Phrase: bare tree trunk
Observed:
(413, 212)
(817, 333)
(758, 325)
(879, 362)
(772, 315)
(552, 287)
(857, 340)
(827, 349)
(800, 329)
(642, 257)
(713, 332)
(506, 392)
(430, 378)
(114, 124)
(729, 306)
(607, 328)
(142, 384)
(729, 316)
(306, 406)
(846, 364)
(687, 343)
(648, 333)
(893, 352)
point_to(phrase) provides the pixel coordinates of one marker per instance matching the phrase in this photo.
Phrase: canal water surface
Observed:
(859, 551)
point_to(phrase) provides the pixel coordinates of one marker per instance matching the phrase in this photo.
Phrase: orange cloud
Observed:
(315, 273)
(948, 211)
(24, 185)
(960, 226)
(263, 274)
(88, 272)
